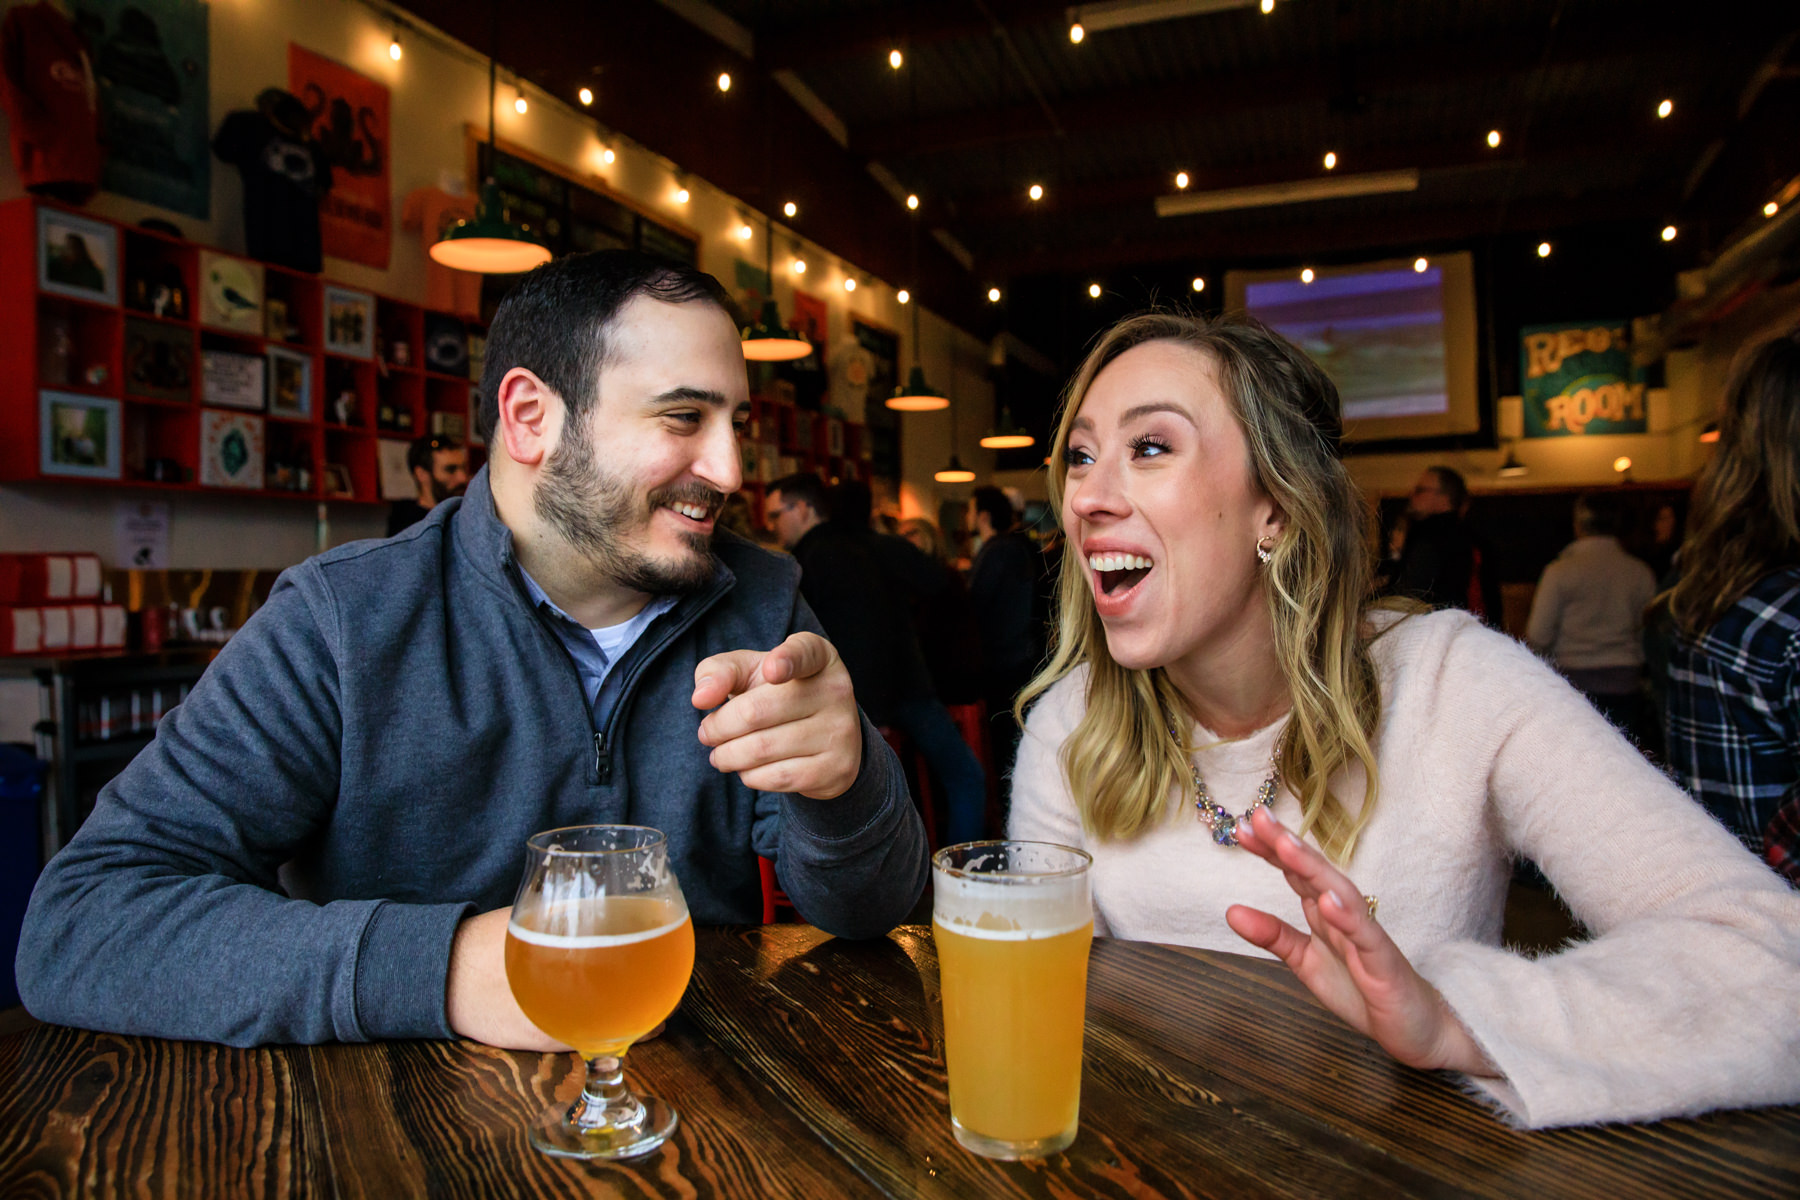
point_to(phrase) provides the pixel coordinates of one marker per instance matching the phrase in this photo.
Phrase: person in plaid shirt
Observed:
(1733, 716)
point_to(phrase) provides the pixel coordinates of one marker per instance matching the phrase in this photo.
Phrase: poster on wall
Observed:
(349, 114)
(1577, 379)
(150, 66)
(882, 423)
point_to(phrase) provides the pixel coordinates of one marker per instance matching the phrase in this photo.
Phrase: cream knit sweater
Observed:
(1686, 999)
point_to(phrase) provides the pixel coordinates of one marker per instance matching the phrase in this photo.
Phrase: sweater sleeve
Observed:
(1043, 809)
(1684, 998)
(1546, 612)
(854, 865)
(163, 916)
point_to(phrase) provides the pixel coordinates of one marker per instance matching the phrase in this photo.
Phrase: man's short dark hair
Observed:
(806, 486)
(555, 321)
(1000, 512)
(1450, 482)
(1597, 515)
(851, 503)
(418, 455)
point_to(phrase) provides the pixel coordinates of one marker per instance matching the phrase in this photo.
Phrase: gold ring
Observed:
(1373, 904)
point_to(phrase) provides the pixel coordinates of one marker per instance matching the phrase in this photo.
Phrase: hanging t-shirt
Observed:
(47, 88)
(432, 211)
(284, 178)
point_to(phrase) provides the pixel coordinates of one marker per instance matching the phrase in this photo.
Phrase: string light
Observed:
(1181, 179)
(724, 81)
(1076, 33)
(791, 209)
(1199, 284)
(519, 105)
(1330, 160)
(1771, 208)
(1543, 249)
(903, 296)
(1036, 192)
(993, 295)
(1306, 275)
(1419, 265)
(1094, 290)
(895, 58)
(912, 202)
(586, 96)
(1665, 108)
(394, 50)
(1493, 138)
(849, 285)
(1668, 233)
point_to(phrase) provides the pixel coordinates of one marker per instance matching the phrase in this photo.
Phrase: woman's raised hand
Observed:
(1348, 961)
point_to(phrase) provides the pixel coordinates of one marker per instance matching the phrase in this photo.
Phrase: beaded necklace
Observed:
(1222, 824)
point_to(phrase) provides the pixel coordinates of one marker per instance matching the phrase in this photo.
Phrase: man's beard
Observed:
(590, 509)
(441, 491)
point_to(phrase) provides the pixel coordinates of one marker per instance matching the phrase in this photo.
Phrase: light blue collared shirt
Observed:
(595, 650)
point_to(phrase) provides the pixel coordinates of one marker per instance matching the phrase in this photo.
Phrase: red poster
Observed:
(350, 122)
(809, 317)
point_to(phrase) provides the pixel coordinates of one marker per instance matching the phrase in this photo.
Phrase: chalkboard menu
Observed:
(570, 217)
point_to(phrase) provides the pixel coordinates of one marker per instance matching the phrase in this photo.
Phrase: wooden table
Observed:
(808, 1066)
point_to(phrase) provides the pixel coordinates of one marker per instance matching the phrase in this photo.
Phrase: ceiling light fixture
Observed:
(1331, 160)
(1543, 249)
(1181, 179)
(903, 296)
(955, 472)
(1076, 33)
(586, 96)
(681, 195)
(1036, 191)
(1493, 139)
(1199, 284)
(1419, 265)
(1510, 466)
(1709, 433)
(744, 232)
(912, 203)
(768, 340)
(1668, 233)
(394, 51)
(895, 58)
(607, 156)
(724, 81)
(1007, 435)
(490, 244)
(798, 266)
(849, 285)
(1771, 208)
(791, 210)
(1622, 465)
(1665, 108)
(1306, 275)
(519, 105)
(1268, 6)
(1094, 290)
(993, 295)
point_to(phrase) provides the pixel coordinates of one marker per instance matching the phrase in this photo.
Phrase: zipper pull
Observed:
(602, 765)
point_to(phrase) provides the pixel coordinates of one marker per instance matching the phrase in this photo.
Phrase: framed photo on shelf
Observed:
(349, 322)
(231, 292)
(78, 435)
(337, 481)
(231, 450)
(231, 380)
(159, 361)
(397, 482)
(77, 257)
(290, 384)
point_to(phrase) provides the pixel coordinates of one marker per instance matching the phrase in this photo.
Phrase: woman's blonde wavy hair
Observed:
(1745, 518)
(1121, 762)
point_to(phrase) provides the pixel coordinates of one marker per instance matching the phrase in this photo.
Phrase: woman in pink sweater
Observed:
(1252, 754)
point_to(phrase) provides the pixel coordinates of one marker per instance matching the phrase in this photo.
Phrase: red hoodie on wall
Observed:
(47, 88)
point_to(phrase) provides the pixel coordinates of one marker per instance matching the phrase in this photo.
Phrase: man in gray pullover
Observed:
(322, 840)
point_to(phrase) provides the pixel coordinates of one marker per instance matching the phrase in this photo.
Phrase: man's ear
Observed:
(530, 417)
(422, 478)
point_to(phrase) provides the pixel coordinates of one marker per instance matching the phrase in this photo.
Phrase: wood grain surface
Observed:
(807, 1066)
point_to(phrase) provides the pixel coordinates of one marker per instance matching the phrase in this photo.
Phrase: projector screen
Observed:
(1398, 342)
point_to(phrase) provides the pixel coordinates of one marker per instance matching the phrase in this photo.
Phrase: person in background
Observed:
(865, 616)
(1732, 724)
(1437, 560)
(1256, 757)
(1003, 590)
(1665, 540)
(1587, 616)
(440, 470)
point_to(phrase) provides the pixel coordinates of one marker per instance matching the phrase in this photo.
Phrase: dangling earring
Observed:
(1265, 553)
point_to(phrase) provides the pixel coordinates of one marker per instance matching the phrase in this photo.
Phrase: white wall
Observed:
(437, 90)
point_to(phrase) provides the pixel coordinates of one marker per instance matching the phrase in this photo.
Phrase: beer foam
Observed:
(988, 933)
(591, 941)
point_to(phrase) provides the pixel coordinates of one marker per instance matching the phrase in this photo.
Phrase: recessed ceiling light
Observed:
(791, 209)
(1076, 33)
(1330, 160)
(1181, 179)
(912, 202)
(1094, 290)
(1199, 284)
(1668, 233)
(1543, 249)
(993, 295)
(895, 58)
(1493, 138)
(724, 81)
(903, 296)
(1665, 108)
(586, 96)
(1036, 192)
(1419, 265)
(1771, 208)
(1306, 275)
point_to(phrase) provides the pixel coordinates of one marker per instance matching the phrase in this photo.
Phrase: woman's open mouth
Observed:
(1117, 574)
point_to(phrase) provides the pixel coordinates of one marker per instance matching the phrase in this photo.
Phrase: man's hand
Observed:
(786, 720)
(477, 998)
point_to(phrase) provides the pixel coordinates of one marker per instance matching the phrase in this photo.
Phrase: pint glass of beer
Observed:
(1013, 922)
(598, 951)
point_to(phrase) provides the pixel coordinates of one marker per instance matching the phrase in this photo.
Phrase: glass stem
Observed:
(605, 1102)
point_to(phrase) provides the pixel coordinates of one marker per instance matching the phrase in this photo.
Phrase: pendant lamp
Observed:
(1007, 436)
(768, 340)
(916, 395)
(954, 472)
(490, 244)
(1511, 467)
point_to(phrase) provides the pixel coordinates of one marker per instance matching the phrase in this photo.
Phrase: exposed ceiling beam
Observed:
(1288, 191)
(1223, 244)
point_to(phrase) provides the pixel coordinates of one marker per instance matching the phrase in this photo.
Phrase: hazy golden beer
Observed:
(1013, 924)
(599, 974)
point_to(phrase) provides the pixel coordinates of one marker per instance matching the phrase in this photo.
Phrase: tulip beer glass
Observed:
(598, 951)
(1013, 922)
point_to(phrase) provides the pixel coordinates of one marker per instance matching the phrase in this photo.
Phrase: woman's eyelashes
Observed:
(1144, 445)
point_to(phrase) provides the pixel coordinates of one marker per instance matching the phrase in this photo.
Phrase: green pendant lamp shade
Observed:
(490, 243)
(1007, 436)
(768, 341)
(917, 395)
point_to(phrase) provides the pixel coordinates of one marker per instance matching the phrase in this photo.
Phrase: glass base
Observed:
(554, 1134)
(1011, 1151)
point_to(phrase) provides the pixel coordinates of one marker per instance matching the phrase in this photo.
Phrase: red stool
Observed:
(773, 898)
(971, 721)
(918, 774)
